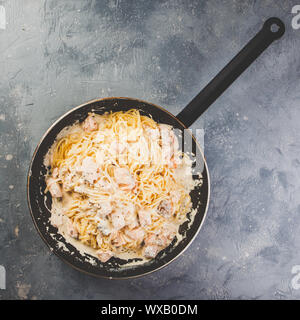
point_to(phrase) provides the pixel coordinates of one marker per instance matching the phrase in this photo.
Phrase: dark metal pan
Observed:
(272, 29)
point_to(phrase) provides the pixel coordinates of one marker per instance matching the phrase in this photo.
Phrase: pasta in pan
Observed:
(117, 185)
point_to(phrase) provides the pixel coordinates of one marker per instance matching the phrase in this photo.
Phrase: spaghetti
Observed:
(115, 184)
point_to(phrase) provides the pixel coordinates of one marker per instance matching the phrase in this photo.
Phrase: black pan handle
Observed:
(272, 29)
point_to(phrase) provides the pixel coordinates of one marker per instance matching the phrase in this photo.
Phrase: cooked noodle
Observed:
(109, 174)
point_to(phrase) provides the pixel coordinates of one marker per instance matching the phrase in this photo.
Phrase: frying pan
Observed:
(116, 268)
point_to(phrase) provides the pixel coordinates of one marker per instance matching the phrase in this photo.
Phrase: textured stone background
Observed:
(57, 54)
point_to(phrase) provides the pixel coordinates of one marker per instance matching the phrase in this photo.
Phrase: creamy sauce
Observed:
(183, 175)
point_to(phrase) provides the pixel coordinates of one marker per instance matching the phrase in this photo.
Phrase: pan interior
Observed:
(114, 268)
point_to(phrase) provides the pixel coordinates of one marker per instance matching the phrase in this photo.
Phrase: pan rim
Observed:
(62, 258)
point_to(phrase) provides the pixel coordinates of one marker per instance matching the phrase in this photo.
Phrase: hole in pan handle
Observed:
(272, 29)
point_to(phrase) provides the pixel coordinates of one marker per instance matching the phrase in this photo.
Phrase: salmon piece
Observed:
(165, 208)
(117, 239)
(150, 251)
(156, 239)
(124, 179)
(54, 188)
(56, 220)
(88, 165)
(90, 124)
(130, 215)
(55, 173)
(117, 220)
(104, 256)
(145, 217)
(104, 226)
(71, 229)
(168, 232)
(105, 208)
(162, 238)
(150, 239)
(89, 170)
(136, 234)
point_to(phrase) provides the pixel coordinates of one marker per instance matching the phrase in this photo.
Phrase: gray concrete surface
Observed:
(58, 54)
